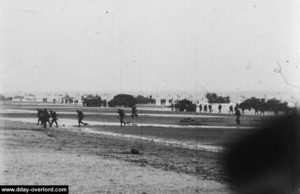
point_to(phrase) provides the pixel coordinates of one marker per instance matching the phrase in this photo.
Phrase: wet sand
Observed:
(183, 144)
(70, 122)
(116, 114)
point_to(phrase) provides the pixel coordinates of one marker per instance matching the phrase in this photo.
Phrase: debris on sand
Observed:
(189, 119)
(134, 151)
(51, 135)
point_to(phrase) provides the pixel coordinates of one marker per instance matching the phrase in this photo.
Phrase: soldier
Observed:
(46, 117)
(205, 108)
(236, 107)
(172, 107)
(256, 110)
(80, 118)
(200, 108)
(121, 115)
(262, 111)
(54, 118)
(286, 111)
(220, 108)
(210, 108)
(275, 111)
(40, 116)
(230, 109)
(238, 115)
(243, 110)
(134, 112)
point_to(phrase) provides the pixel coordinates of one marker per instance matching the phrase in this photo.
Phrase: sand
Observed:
(32, 155)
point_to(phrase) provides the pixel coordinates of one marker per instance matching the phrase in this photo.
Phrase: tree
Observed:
(276, 105)
(92, 101)
(186, 105)
(261, 104)
(123, 100)
(214, 98)
(4, 98)
(145, 100)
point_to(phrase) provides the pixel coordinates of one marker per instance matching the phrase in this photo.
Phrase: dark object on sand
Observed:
(267, 160)
(187, 120)
(134, 151)
(190, 121)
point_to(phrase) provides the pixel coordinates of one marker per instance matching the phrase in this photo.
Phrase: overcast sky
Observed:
(157, 45)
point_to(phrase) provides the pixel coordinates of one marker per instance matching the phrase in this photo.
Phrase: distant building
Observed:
(30, 98)
(18, 98)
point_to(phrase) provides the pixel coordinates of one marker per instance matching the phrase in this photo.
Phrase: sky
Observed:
(157, 45)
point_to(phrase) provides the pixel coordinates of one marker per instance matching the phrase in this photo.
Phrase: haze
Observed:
(130, 45)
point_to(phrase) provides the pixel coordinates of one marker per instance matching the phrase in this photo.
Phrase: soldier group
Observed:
(205, 108)
(121, 113)
(236, 111)
(44, 117)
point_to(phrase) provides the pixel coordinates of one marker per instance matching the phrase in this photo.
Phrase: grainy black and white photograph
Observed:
(146, 97)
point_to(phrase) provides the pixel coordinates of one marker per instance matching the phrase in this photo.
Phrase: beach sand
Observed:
(97, 164)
